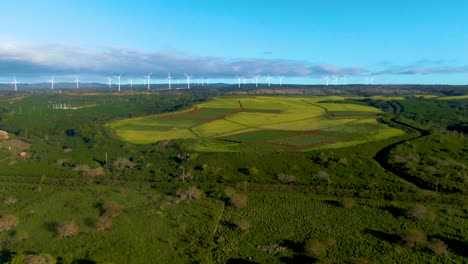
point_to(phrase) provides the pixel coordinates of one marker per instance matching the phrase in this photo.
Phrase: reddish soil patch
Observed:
(193, 111)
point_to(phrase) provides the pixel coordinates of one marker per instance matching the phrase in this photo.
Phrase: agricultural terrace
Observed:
(261, 123)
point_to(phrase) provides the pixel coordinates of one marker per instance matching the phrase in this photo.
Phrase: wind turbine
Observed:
(118, 78)
(345, 78)
(269, 80)
(188, 80)
(15, 83)
(109, 82)
(131, 83)
(256, 80)
(238, 80)
(77, 81)
(281, 80)
(372, 80)
(52, 82)
(148, 78)
(336, 79)
(327, 80)
(169, 78)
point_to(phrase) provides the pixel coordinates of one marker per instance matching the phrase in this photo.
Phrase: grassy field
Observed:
(260, 121)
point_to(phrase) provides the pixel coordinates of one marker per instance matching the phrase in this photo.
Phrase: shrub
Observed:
(191, 193)
(122, 163)
(111, 209)
(21, 235)
(321, 175)
(40, 259)
(315, 248)
(103, 223)
(238, 200)
(439, 247)
(10, 201)
(68, 229)
(420, 212)
(348, 202)
(242, 224)
(287, 179)
(414, 238)
(8, 222)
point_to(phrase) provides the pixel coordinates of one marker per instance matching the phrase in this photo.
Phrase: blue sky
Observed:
(393, 41)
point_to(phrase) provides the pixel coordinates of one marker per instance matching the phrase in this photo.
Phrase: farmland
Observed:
(261, 123)
(202, 177)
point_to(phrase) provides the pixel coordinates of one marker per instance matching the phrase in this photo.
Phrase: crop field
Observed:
(262, 121)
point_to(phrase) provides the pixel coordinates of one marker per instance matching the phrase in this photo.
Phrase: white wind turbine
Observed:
(109, 82)
(188, 80)
(148, 80)
(77, 81)
(269, 80)
(238, 80)
(345, 78)
(15, 83)
(281, 80)
(118, 78)
(327, 80)
(366, 79)
(52, 82)
(336, 79)
(169, 78)
(372, 80)
(131, 83)
(256, 80)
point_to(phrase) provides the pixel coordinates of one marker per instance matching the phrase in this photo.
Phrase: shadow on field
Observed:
(333, 202)
(456, 246)
(392, 238)
(51, 226)
(83, 261)
(299, 253)
(240, 261)
(395, 211)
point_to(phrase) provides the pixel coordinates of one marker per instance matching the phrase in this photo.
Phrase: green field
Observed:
(262, 122)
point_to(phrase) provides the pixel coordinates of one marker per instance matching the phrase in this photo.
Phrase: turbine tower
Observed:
(131, 83)
(148, 80)
(118, 78)
(169, 78)
(281, 80)
(238, 80)
(345, 78)
(15, 83)
(77, 81)
(188, 80)
(336, 79)
(109, 82)
(52, 82)
(269, 80)
(256, 80)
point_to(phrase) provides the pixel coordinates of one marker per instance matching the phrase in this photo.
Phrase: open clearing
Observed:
(261, 123)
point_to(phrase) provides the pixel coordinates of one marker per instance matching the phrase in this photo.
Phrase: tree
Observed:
(8, 222)
(111, 209)
(414, 238)
(103, 223)
(67, 229)
(40, 259)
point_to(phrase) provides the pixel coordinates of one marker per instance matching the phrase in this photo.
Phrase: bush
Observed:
(236, 199)
(10, 201)
(287, 179)
(8, 222)
(317, 248)
(122, 163)
(321, 175)
(242, 224)
(348, 202)
(439, 247)
(191, 193)
(414, 238)
(103, 223)
(111, 209)
(420, 212)
(40, 259)
(68, 229)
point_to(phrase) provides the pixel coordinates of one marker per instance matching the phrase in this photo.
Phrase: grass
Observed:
(458, 97)
(370, 230)
(254, 118)
(150, 226)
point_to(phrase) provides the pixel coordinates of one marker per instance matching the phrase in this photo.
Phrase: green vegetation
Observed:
(260, 124)
(376, 179)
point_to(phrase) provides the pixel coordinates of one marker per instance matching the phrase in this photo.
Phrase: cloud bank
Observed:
(61, 59)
